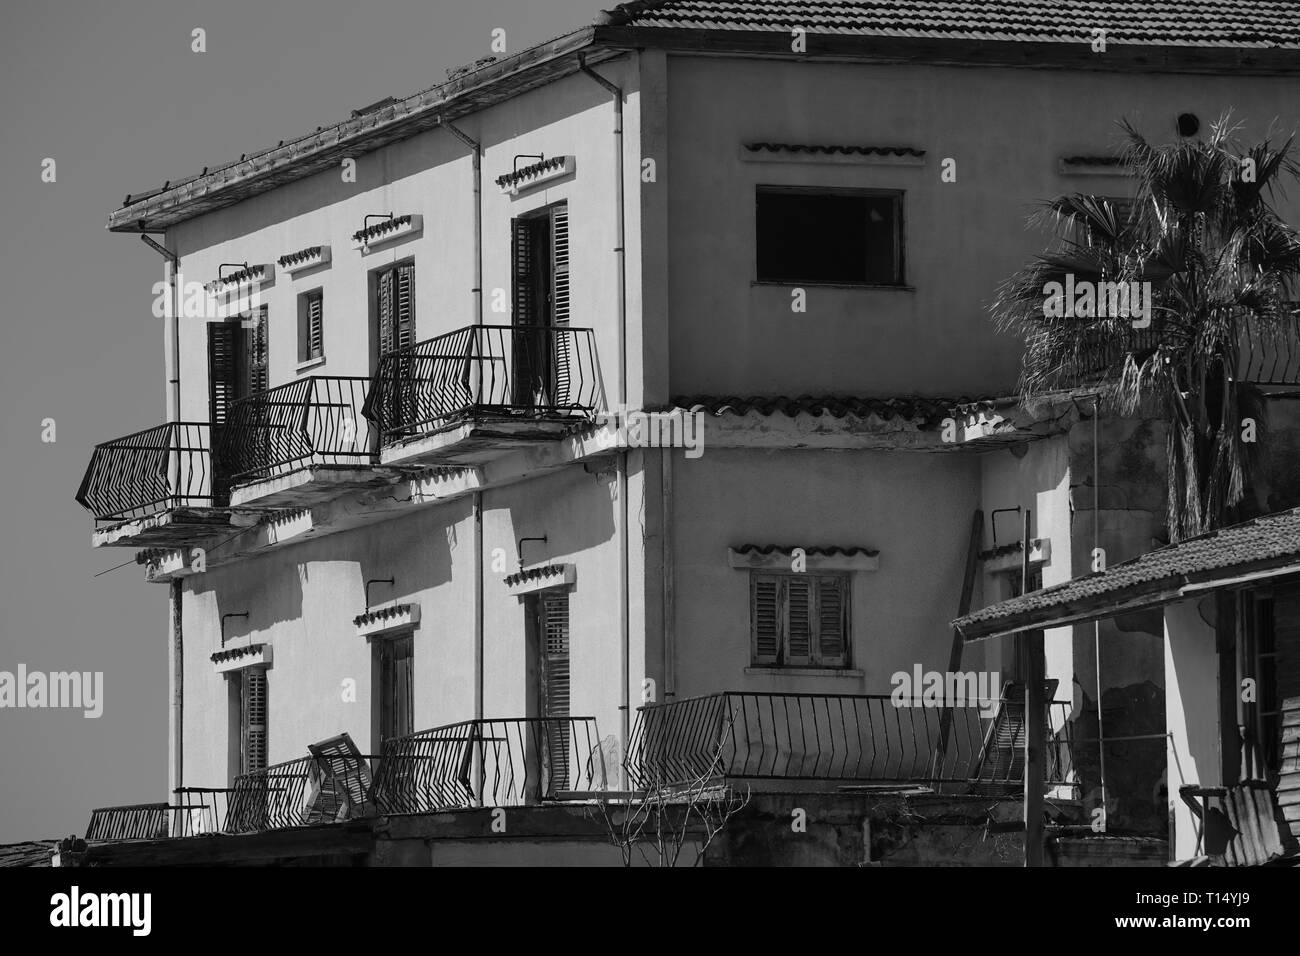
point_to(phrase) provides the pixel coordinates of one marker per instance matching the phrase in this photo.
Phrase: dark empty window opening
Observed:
(833, 236)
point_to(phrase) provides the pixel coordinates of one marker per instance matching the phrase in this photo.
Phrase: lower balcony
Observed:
(474, 394)
(504, 762)
(840, 741)
(298, 444)
(155, 489)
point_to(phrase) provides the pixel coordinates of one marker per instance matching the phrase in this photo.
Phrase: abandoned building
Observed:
(430, 605)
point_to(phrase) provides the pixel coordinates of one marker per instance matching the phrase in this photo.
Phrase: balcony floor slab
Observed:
(177, 528)
(310, 486)
(479, 440)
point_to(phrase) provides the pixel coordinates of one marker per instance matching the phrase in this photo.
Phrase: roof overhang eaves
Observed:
(308, 155)
(1138, 597)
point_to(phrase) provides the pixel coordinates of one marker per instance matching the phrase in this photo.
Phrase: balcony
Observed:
(155, 489)
(471, 395)
(771, 740)
(298, 444)
(523, 761)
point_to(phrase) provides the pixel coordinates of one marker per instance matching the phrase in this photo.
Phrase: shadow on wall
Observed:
(1136, 787)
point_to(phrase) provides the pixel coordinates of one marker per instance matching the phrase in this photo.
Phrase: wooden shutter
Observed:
(799, 620)
(832, 621)
(397, 700)
(257, 361)
(384, 311)
(223, 369)
(404, 306)
(252, 688)
(554, 626)
(521, 254)
(766, 630)
(315, 325)
(560, 303)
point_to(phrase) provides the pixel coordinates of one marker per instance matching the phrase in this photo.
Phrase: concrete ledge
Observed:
(308, 486)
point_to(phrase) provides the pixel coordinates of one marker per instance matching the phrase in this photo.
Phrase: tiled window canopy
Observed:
(527, 177)
(777, 557)
(540, 578)
(386, 230)
(764, 152)
(387, 620)
(251, 274)
(304, 259)
(237, 658)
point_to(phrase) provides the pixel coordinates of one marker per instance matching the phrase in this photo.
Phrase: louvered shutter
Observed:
(560, 303)
(223, 369)
(315, 325)
(764, 616)
(384, 311)
(525, 311)
(253, 706)
(798, 620)
(258, 361)
(404, 306)
(554, 613)
(832, 621)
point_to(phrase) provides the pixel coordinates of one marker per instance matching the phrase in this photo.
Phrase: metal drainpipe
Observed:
(476, 151)
(621, 252)
(175, 591)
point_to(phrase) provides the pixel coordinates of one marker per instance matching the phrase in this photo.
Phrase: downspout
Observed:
(621, 252)
(476, 152)
(173, 362)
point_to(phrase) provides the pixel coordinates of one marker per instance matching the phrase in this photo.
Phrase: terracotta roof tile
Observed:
(929, 411)
(1220, 23)
(1270, 538)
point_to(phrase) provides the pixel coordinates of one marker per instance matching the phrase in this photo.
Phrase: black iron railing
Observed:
(156, 470)
(303, 792)
(141, 821)
(504, 762)
(524, 372)
(1270, 356)
(837, 737)
(313, 421)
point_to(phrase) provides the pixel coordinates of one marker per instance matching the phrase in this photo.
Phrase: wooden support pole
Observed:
(1035, 724)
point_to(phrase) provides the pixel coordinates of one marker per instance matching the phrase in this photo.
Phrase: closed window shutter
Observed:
(799, 621)
(832, 613)
(522, 260)
(253, 691)
(555, 650)
(258, 360)
(766, 630)
(223, 369)
(315, 326)
(560, 302)
(404, 307)
(384, 311)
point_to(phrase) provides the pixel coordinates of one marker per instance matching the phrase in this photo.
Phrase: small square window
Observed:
(799, 620)
(833, 236)
(311, 331)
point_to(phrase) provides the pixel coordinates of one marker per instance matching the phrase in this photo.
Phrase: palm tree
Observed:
(1221, 265)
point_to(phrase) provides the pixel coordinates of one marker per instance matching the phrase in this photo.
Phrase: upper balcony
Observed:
(155, 489)
(298, 444)
(471, 395)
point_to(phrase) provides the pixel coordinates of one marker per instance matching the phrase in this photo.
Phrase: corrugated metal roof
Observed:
(1221, 23)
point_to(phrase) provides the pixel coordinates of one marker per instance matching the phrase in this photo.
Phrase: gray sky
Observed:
(114, 94)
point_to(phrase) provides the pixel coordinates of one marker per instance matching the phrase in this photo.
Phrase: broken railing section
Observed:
(841, 738)
(313, 421)
(150, 472)
(475, 763)
(493, 370)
